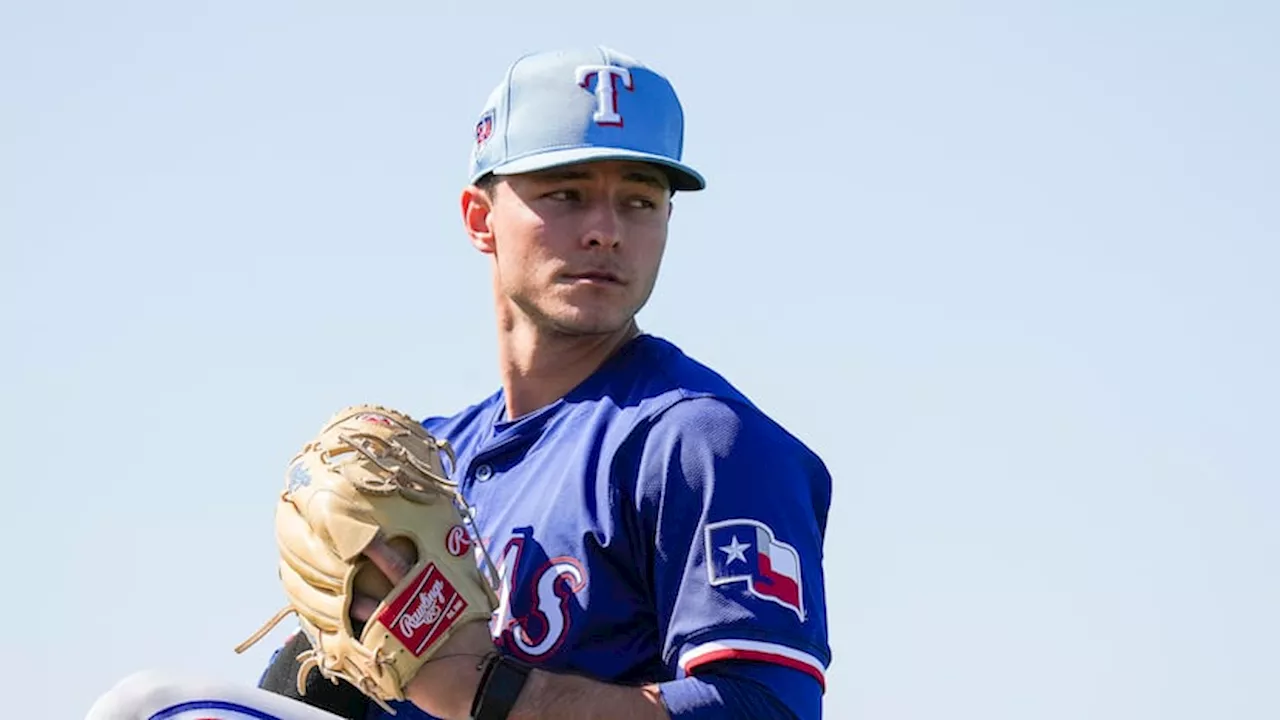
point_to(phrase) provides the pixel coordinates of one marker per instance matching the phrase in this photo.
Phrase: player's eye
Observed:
(564, 195)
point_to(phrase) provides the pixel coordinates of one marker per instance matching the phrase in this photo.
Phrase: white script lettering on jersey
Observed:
(606, 90)
(550, 606)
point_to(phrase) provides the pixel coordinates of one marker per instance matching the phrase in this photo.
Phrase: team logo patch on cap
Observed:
(484, 128)
(746, 551)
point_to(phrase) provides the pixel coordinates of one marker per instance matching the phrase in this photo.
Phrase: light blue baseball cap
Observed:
(565, 107)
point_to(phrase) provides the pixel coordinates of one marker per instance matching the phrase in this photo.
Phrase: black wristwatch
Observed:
(500, 684)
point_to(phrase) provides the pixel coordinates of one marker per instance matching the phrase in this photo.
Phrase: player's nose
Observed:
(602, 227)
(596, 239)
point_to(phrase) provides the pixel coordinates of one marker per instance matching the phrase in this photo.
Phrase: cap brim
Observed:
(683, 177)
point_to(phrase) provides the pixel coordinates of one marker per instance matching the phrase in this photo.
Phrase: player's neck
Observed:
(539, 367)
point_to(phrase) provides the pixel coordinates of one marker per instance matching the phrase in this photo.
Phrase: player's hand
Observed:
(394, 564)
(445, 686)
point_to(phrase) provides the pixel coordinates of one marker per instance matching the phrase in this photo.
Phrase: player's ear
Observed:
(477, 208)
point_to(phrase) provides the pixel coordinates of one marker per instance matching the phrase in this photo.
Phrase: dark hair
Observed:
(486, 184)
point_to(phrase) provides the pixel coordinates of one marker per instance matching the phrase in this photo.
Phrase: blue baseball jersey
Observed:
(650, 524)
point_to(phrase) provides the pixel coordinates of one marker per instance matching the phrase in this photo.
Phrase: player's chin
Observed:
(592, 319)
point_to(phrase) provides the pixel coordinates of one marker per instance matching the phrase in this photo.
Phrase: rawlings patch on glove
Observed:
(374, 473)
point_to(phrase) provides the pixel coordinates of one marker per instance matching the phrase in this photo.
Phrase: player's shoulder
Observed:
(653, 374)
(687, 402)
(650, 392)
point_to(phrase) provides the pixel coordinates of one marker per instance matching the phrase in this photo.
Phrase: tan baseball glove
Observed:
(374, 472)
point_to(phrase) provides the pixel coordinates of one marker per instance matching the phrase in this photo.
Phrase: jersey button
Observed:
(484, 472)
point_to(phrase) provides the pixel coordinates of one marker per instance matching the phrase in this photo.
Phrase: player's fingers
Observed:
(362, 608)
(387, 559)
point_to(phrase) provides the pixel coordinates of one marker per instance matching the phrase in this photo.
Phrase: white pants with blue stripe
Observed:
(154, 695)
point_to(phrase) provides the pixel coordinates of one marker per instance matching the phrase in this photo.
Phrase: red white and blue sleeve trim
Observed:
(754, 650)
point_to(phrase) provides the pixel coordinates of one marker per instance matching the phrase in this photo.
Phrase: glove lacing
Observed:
(392, 458)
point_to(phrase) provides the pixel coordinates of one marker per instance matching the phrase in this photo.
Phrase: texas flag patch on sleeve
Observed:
(746, 551)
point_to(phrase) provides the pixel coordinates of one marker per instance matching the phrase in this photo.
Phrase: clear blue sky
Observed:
(1010, 268)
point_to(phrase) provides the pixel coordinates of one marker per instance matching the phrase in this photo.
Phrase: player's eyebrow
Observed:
(645, 178)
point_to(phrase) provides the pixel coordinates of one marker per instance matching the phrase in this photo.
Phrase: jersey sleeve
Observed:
(737, 509)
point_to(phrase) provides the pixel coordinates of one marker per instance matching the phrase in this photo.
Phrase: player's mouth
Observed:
(595, 277)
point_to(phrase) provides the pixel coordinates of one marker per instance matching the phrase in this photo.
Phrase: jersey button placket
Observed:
(483, 472)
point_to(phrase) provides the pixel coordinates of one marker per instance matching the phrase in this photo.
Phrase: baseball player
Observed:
(658, 538)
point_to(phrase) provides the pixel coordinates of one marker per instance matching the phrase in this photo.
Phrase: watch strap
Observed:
(500, 685)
